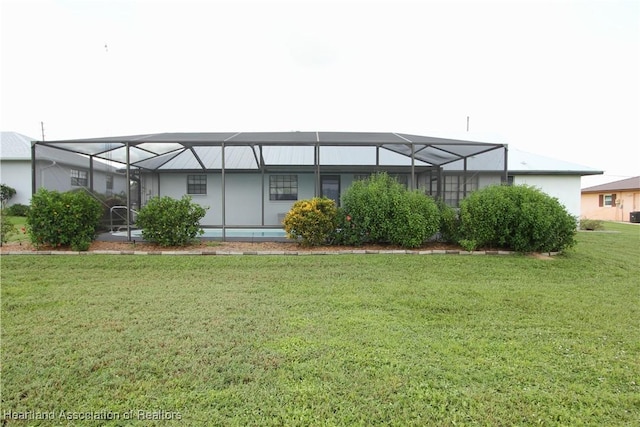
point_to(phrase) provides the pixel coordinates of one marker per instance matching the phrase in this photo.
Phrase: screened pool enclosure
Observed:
(251, 179)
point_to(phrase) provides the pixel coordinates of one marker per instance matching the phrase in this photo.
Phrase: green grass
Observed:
(328, 340)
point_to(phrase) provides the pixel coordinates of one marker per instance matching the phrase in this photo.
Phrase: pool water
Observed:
(229, 232)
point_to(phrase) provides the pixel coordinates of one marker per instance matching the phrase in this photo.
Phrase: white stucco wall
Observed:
(17, 175)
(244, 198)
(566, 188)
(175, 185)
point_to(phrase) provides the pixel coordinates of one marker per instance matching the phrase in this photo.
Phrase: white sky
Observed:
(558, 78)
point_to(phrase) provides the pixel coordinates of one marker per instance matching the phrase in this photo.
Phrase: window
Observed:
(454, 188)
(79, 178)
(607, 200)
(283, 187)
(196, 184)
(330, 187)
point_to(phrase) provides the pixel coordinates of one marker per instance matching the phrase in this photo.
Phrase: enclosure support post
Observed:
(33, 169)
(506, 166)
(413, 167)
(224, 196)
(439, 184)
(128, 178)
(262, 191)
(316, 160)
(91, 174)
(465, 176)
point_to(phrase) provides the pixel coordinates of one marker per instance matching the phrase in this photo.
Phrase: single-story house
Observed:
(558, 178)
(251, 179)
(614, 201)
(15, 165)
(54, 169)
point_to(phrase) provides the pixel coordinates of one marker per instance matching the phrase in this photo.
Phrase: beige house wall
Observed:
(626, 202)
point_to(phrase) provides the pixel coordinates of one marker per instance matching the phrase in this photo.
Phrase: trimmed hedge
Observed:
(170, 222)
(17, 209)
(381, 210)
(518, 217)
(63, 219)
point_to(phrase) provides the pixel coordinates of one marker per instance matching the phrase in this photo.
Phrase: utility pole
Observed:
(42, 128)
(467, 123)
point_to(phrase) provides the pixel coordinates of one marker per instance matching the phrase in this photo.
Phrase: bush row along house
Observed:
(252, 179)
(614, 201)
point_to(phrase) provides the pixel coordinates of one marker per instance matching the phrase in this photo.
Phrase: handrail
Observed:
(118, 207)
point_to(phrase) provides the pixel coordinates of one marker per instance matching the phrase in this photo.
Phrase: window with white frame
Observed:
(79, 178)
(283, 187)
(196, 184)
(607, 200)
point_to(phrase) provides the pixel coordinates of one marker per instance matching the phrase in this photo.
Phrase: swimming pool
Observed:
(213, 233)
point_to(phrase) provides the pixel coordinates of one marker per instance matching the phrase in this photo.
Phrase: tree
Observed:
(6, 193)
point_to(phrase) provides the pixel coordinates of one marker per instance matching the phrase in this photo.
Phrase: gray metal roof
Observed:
(524, 163)
(15, 146)
(252, 150)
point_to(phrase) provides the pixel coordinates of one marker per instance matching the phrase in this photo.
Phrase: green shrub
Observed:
(170, 222)
(414, 219)
(313, 221)
(449, 223)
(7, 228)
(520, 218)
(17, 209)
(591, 224)
(6, 193)
(381, 210)
(63, 219)
(347, 231)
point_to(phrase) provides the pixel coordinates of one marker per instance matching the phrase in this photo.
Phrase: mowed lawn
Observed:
(326, 340)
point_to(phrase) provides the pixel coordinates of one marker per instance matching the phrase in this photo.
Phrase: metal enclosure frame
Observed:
(209, 152)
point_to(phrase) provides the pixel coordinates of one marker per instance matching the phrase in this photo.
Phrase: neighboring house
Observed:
(252, 179)
(555, 177)
(55, 170)
(15, 165)
(613, 201)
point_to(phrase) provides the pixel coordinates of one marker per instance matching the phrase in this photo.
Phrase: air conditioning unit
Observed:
(634, 217)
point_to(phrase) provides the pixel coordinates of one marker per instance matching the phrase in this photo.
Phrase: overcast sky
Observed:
(558, 78)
